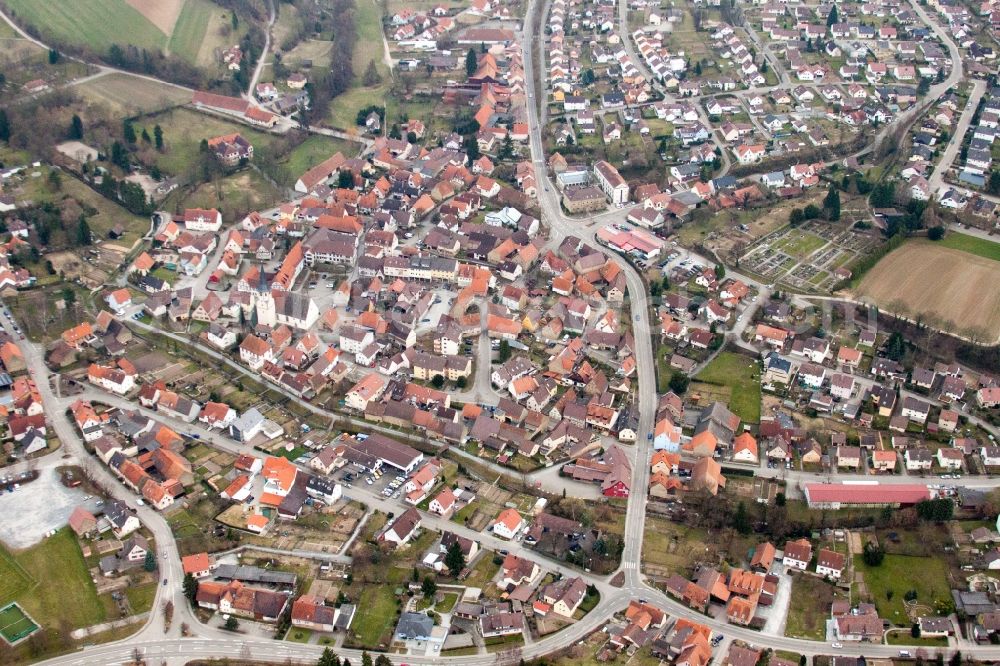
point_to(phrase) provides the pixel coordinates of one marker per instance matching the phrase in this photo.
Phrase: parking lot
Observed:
(388, 482)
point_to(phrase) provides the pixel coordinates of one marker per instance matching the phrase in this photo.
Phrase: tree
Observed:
(4, 126)
(76, 128)
(158, 137)
(366, 659)
(833, 16)
(504, 351)
(796, 217)
(328, 658)
(883, 195)
(506, 148)
(190, 587)
(372, 77)
(68, 296)
(128, 131)
(83, 234)
(935, 233)
(587, 77)
(697, 68)
(55, 180)
(720, 271)
(383, 660)
(811, 212)
(679, 383)
(873, 554)
(895, 347)
(741, 522)
(145, 136)
(924, 86)
(149, 564)
(235, 21)
(437, 381)
(345, 179)
(994, 183)
(428, 587)
(53, 56)
(831, 204)
(471, 146)
(232, 624)
(937, 510)
(471, 62)
(454, 559)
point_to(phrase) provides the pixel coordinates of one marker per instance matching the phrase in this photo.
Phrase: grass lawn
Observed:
(809, 608)
(376, 615)
(235, 195)
(672, 546)
(183, 130)
(483, 572)
(14, 580)
(742, 375)
(495, 643)
(94, 23)
(903, 637)
(367, 47)
(800, 243)
(900, 573)
(108, 213)
(314, 150)
(296, 635)
(971, 244)
(124, 94)
(141, 597)
(64, 591)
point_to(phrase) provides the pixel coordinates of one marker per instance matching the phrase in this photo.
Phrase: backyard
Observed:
(809, 607)
(742, 376)
(889, 583)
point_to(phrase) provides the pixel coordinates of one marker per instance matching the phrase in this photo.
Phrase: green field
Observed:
(14, 580)
(800, 243)
(61, 591)
(189, 31)
(368, 47)
(809, 608)
(314, 150)
(741, 374)
(376, 615)
(971, 244)
(141, 597)
(898, 574)
(94, 23)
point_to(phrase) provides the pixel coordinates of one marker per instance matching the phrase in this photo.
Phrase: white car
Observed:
(836, 646)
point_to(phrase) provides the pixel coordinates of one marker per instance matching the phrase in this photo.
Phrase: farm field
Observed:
(188, 32)
(741, 376)
(922, 277)
(96, 24)
(126, 95)
(972, 244)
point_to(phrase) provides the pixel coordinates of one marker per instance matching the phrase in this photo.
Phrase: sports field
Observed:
(953, 285)
(15, 624)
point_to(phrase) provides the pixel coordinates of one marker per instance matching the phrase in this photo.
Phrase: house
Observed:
(848, 456)
(565, 595)
(830, 564)
(507, 524)
(797, 554)
(951, 459)
(745, 448)
(915, 410)
(443, 502)
(401, 529)
(123, 521)
(917, 458)
(198, 565)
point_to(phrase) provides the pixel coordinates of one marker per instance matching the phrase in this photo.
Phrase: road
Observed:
(170, 648)
(936, 181)
(249, 95)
